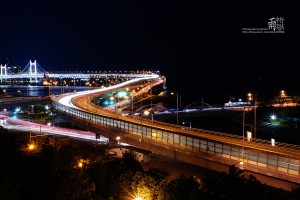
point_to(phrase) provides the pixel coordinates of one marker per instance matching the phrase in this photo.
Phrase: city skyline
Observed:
(203, 46)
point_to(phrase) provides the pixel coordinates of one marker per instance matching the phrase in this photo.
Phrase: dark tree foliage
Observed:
(158, 174)
(182, 188)
(11, 159)
(55, 174)
(236, 185)
(115, 167)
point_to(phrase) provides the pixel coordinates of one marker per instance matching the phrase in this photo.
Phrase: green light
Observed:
(122, 94)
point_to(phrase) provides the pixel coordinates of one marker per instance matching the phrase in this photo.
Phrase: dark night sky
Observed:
(195, 45)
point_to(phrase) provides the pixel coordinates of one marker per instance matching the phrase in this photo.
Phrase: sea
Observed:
(22, 90)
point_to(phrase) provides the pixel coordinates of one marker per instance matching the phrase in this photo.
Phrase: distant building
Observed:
(283, 100)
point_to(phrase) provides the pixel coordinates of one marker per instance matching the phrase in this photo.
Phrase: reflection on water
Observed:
(22, 90)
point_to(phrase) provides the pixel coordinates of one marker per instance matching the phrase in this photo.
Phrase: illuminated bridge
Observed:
(34, 73)
(274, 165)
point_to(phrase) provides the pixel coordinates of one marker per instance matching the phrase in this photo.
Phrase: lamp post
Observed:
(132, 100)
(242, 162)
(254, 124)
(114, 99)
(253, 98)
(176, 106)
(147, 113)
(118, 139)
(142, 138)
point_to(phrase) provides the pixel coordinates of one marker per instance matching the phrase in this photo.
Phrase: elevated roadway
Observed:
(277, 165)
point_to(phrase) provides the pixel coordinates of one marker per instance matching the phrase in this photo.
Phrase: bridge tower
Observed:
(32, 71)
(3, 71)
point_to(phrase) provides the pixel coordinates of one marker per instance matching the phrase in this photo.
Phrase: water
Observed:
(22, 90)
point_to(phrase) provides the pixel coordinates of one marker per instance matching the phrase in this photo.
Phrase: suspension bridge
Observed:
(33, 73)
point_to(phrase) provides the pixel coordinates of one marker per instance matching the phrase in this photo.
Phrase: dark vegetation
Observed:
(83, 170)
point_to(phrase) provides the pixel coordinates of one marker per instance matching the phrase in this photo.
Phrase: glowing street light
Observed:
(250, 96)
(80, 163)
(114, 99)
(273, 117)
(147, 113)
(253, 98)
(282, 94)
(31, 146)
(138, 198)
(118, 139)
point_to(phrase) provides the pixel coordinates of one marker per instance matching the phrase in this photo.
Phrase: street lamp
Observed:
(253, 98)
(254, 125)
(142, 138)
(31, 146)
(132, 101)
(250, 96)
(242, 162)
(147, 113)
(188, 123)
(19, 91)
(249, 134)
(176, 106)
(118, 139)
(114, 99)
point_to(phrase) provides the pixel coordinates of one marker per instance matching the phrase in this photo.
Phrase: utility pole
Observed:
(177, 108)
(242, 162)
(254, 124)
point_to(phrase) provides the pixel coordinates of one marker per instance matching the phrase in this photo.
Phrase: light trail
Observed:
(66, 100)
(17, 124)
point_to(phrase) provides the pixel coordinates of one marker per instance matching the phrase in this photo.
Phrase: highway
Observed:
(258, 155)
(281, 160)
(44, 130)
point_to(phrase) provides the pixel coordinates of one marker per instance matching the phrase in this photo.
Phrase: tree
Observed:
(182, 188)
